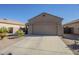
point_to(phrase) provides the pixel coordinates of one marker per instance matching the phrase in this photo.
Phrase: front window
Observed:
(10, 29)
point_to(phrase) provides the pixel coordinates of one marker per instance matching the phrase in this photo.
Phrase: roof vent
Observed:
(44, 15)
(5, 19)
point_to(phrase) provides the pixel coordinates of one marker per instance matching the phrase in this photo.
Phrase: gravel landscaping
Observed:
(69, 41)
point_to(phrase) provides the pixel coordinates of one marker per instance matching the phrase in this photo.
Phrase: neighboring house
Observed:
(11, 25)
(45, 24)
(72, 27)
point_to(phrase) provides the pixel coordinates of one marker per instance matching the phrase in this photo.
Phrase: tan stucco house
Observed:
(45, 24)
(72, 27)
(11, 25)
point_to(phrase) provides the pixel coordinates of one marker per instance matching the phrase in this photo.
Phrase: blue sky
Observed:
(24, 12)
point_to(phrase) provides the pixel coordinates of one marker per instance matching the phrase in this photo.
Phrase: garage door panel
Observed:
(44, 29)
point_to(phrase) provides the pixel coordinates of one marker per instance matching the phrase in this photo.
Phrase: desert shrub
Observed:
(3, 32)
(20, 33)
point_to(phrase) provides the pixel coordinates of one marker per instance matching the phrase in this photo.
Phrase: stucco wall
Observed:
(60, 28)
(76, 28)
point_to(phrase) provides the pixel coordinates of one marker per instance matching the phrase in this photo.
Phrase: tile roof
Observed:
(45, 13)
(9, 21)
(74, 21)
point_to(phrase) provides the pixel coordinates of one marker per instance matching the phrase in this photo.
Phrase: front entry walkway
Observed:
(38, 45)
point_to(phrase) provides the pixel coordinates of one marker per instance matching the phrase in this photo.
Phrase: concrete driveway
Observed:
(38, 45)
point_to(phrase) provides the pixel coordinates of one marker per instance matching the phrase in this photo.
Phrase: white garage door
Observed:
(44, 29)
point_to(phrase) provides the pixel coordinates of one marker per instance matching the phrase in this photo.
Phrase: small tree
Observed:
(3, 32)
(19, 33)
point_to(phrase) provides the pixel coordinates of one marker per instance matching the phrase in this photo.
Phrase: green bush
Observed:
(3, 32)
(19, 33)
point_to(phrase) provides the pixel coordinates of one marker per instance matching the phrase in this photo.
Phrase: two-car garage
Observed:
(45, 24)
(43, 29)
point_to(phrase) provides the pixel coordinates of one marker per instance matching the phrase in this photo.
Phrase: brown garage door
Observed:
(44, 29)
